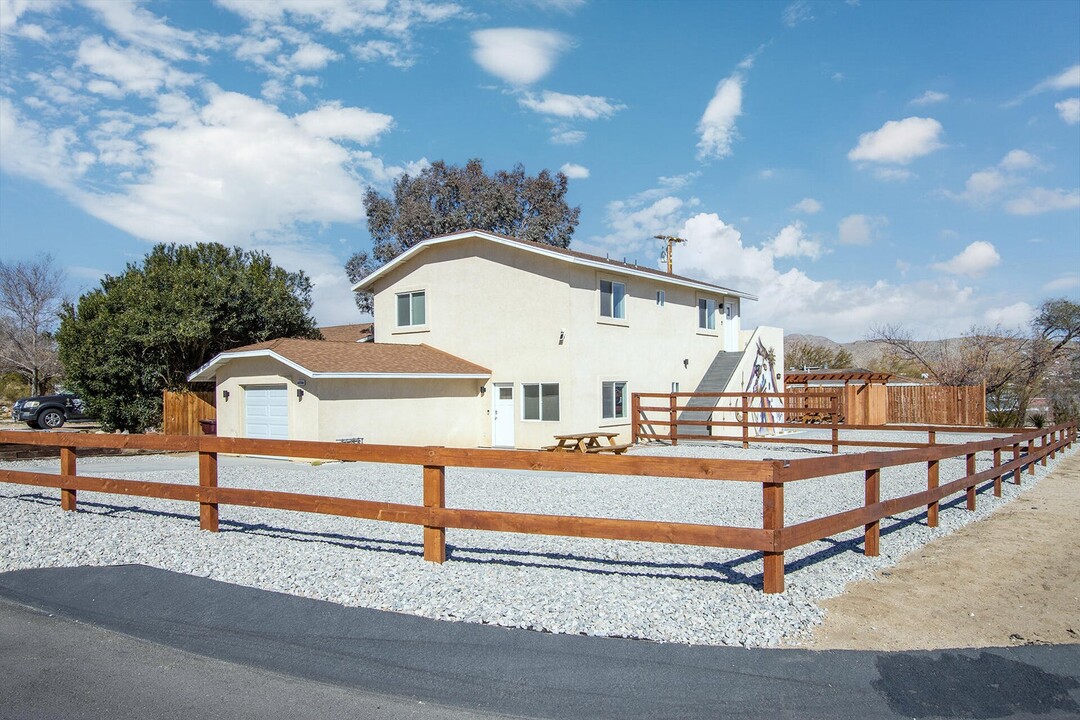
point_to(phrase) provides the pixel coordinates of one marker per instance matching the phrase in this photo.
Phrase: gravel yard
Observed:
(661, 592)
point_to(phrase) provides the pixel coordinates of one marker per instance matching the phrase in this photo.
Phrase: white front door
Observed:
(266, 412)
(731, 328)
(502, 415)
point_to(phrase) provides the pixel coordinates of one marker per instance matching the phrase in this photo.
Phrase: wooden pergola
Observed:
(847, 377)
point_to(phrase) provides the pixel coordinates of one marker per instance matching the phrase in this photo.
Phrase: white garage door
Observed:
(266, 412)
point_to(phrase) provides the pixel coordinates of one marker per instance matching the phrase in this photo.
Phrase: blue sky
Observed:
(853, 163)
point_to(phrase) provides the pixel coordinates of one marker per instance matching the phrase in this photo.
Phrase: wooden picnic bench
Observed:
(588, 443)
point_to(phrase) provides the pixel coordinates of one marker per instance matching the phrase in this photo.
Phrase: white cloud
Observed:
(899, 141)
(1069, 110)
(1018, 314)
(131, 69)
(574, 171)
(568, 137)
(634, 224)
(797, 12)
(930, 97)
(345, 16)
(982, 187)
(312, 56)
(860, 229)
(1067, 79)
(345, 123)
(518, 55)
(1040, 200)
(1019, 160)
(392, 53)
(717, 124)
(792, 241)
(973, 261)
(810, 206)
(579, 107)
(844, 311)
(11, 10)
(52, 158)
(141, 27)
(1067, 281)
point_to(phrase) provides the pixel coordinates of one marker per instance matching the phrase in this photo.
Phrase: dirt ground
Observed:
(1011, 579)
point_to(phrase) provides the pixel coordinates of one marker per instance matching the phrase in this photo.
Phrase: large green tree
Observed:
(146, 329)
(445, 199)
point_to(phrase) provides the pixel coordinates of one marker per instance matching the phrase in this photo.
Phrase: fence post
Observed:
(208, 478)
(931, 483)
(67, 467)
(971, 489)
(997, 477)
(1045, 443)
(772, 518)
(434, 497)
(932, 437)
(834, 412)
(1031, 456)
(745, 421)
(1016, 471)
(673, 416)
(635, 413)
(872, 530)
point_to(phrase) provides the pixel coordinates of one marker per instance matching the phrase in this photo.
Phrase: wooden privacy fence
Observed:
(773, 538)
(182, 411)
(937, 404)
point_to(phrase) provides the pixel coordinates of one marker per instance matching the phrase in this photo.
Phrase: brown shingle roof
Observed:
(320, 356)
(347, 333)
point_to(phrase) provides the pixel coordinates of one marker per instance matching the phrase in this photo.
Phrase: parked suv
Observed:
(48, 411)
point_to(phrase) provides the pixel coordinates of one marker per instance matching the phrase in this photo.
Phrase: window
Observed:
(540, 401)
(706, 313)
(612, 299)
(614, 400)
(411, 309)
(674, 387)
(661, 298)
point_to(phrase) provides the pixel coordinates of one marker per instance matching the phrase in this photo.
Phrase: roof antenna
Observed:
(671, 240)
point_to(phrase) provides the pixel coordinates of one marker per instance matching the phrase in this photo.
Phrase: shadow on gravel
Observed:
(727, 572)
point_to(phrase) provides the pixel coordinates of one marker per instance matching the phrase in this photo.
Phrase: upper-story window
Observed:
(612, 299)
(706, 313)
(661, 298)
(411, 309)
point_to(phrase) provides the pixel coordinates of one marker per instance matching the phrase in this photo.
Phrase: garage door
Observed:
(266, 412)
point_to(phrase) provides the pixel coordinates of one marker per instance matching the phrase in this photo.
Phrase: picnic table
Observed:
(588, 443)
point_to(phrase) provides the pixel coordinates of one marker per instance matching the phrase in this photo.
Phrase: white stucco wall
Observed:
(422, 412)
(505, 309)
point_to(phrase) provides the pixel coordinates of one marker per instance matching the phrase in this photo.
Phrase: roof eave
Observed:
(367, 282)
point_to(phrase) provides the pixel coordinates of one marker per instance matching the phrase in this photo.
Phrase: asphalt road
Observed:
(137, 642)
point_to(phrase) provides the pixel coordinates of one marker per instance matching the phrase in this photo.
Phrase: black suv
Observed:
(48, 411)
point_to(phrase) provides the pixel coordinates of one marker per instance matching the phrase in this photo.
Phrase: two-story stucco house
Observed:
(484, 340)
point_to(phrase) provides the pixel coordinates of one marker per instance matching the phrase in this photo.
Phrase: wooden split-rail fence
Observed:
(773, 538)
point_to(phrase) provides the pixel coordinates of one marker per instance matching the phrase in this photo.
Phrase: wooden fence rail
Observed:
(800, 410)
(773, 538)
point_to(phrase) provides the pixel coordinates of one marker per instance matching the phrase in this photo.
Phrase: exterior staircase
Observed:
(716, 380)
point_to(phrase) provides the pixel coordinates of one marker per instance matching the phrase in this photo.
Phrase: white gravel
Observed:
(661, 592)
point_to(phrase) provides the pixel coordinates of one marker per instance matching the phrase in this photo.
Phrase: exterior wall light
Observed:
(225, 395)
(299, 393)
(483, 389)
(686, 362)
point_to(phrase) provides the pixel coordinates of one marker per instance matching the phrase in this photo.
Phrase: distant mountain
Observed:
(866, 354)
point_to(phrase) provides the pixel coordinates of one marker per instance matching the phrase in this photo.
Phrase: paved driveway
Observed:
(151, 643)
